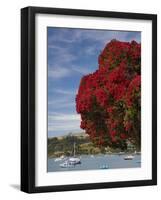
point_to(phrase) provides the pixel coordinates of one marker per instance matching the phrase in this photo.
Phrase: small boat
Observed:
(104, 167)
(128, 157)
(66, 164)
(74, 160)
(59, 159)
(71, 161)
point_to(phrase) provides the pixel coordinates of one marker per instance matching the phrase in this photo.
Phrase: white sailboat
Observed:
(66, 164)
(74, 159)
(71, 161)
(128, 157)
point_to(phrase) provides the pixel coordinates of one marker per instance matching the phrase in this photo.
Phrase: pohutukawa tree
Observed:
(109, 100)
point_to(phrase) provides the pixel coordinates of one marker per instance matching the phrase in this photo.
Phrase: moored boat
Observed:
(74, 160)
(60, 158)
(71, 161)
(128, 157)
(66, 164)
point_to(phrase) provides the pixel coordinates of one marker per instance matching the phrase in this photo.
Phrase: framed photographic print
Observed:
(88, 99)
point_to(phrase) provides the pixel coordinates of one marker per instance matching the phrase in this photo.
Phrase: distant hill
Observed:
(82, 134)
(63, 145)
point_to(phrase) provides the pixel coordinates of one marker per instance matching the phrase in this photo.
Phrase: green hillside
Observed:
(64, 145)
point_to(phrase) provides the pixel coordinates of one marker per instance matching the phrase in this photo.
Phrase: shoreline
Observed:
(99, 154)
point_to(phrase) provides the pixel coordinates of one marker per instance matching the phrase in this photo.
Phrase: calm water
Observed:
(96, 162)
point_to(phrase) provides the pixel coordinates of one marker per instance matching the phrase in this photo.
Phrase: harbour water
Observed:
(93, 162)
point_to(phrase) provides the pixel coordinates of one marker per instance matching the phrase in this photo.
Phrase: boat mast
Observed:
(74, 149)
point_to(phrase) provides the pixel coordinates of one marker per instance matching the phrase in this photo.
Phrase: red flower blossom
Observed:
(109, 98)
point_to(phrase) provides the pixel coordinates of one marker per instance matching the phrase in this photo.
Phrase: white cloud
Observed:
(91, 50)
(66, 128)
(64, 122)
(64, 117)
(63, 101)
(64, 92)
(65, 37)
(81, 70)
(61, 63)
(58, 72)
(61, 53)
(64, 105)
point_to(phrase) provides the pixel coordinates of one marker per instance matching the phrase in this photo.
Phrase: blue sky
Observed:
(73, 53)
